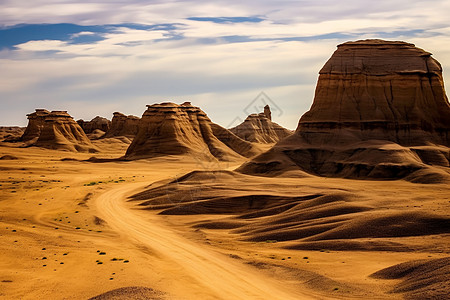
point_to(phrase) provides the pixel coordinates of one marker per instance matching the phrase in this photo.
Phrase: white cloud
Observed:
(83, 33)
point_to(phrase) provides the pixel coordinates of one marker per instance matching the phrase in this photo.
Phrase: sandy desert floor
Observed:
(67, 231)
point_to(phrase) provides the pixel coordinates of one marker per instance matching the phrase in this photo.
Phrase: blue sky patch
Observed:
(79, 34)
(19, 34)
(22, 33)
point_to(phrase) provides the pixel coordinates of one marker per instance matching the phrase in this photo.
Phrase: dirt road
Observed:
(219, 277)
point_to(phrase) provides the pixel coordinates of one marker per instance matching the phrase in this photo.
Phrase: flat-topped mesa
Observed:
(383, 90)
(378, 57)
(123, 125)
(36, 122)
(57, 130)
(259, 128)
(379, 111)
(97, 123)
(171, 129)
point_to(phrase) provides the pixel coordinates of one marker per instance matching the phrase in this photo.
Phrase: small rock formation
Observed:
(122, 125)
(98, 122)
(172, 129)
(56, 130)
(259, 128)
(11, 134)
(379, 111)
(267, 112)
(36, 122)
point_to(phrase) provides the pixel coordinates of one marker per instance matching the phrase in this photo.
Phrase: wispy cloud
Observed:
(11, 36)
(227, 20)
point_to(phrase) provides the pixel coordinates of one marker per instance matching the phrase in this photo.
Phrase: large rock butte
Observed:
(123, 125)
(259, 128)
(56, 130)
(379, 111)
(172, 129)
(36, 121)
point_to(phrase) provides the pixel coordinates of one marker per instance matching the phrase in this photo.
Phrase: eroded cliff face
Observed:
(379, 90)
(172, 129)
(56, 130)
(123, 125)
(259, 128)
(36, 122)
(379, 111)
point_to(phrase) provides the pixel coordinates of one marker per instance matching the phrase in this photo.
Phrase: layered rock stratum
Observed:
(379, 111)
(36, 121)
(123, 125)
(259, 128)
(172, 129)
(56, 130)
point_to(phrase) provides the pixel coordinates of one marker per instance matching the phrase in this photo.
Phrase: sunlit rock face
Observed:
(259, 128)
(123, 125)
(382, 90)
(172, 129)
(379, 111)
(56, 130)
(36, 122)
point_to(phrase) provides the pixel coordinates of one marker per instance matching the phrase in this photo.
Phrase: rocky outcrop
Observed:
(172, 129)
(97, 123)
(56, 130)
(267, 112)
(380, 90)
(379, 111)
(259, 128)
(11, 134)
(123, 125)
(96, 134)
(36, 122)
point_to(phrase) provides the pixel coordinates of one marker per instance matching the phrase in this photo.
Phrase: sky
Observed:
(227, 57)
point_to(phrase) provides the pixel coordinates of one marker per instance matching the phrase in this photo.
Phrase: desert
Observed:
(353, 204)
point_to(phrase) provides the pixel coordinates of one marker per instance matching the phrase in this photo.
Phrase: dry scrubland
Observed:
(67, 232)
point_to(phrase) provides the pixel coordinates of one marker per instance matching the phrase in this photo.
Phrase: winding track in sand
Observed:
(221, 277)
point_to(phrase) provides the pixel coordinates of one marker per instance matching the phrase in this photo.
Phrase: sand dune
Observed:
(219, 275)
(421, 279)
(288, 213)
(131, 292)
